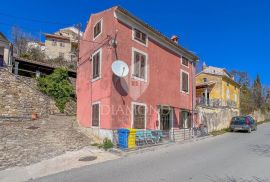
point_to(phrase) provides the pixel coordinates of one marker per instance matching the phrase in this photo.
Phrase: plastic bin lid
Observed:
(123, 130)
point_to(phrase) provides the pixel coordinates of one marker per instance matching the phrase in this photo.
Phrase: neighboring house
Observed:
(158, 92)
(216, 87)
(5, 51)
(63, 43)
(36, 45)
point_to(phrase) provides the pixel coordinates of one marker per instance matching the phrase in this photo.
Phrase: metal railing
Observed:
(202, 101)
(148, 138)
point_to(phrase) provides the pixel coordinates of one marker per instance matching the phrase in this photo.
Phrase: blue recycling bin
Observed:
(123, 138)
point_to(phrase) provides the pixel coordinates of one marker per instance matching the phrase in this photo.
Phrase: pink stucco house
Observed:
(158, 92)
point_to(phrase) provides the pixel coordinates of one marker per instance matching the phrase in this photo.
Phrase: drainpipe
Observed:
(192, 112)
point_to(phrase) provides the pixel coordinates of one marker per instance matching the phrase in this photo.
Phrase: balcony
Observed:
(215, 103)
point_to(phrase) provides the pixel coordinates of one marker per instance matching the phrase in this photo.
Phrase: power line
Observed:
(33, 20)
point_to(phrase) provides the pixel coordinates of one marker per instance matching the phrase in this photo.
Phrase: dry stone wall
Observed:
(19, 98)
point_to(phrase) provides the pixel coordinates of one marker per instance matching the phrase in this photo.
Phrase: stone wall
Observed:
(216, 118)
(260, 116)
(19, 98)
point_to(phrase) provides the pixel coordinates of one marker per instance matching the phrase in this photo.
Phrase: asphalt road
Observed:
(230, 157)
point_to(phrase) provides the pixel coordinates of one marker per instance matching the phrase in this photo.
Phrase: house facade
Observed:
(5, 51)
(63, 44)
(216, 87)
(157, 93)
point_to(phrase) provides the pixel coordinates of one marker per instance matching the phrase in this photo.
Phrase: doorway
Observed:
(165, 118)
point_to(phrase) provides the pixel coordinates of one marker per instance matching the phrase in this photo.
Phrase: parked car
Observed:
(243, 123)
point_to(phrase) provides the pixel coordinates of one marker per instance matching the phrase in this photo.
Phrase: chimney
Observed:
(204, 66)
(175, 39)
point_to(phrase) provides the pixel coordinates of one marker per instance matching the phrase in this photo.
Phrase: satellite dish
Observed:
(120, 68)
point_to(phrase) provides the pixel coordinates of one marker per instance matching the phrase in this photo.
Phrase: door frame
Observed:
(171, 116)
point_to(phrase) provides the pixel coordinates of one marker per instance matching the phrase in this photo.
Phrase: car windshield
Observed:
(239, 120)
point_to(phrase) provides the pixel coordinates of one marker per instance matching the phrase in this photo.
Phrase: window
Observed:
(62, 44)
(184, 82)
(204, 80)
(235, 98)
(96, 65)
(61, 55)
(97, 29)
(228, 84)
(184, 61)
(139, 116)
(139, 65)
(185, 120)
(140, 36)
(54, 42)
(95, 115)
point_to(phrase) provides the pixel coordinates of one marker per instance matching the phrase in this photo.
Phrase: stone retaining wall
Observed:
(19, 99)
(216, 118)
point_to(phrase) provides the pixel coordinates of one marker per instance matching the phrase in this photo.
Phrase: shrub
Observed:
(58, 86)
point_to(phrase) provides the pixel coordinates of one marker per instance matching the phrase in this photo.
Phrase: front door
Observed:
(165, 119)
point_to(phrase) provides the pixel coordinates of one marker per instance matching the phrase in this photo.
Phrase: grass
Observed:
(219, 132)
(262, 122)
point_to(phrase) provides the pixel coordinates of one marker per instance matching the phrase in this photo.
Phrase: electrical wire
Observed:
(32, 20)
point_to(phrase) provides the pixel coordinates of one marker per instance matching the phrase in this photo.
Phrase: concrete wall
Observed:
(18, 98)
(52, 51)
(216, 118)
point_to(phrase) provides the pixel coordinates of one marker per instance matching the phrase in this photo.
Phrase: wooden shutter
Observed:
(95, 115)
(139, 117)
(142, 66)
(136, 64)
(97, 29)
(184, 82)
(96, 65)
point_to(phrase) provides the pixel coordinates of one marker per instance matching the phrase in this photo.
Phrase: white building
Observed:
(5, 51)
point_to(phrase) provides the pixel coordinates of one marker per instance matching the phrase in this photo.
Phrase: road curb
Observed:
(124, 153)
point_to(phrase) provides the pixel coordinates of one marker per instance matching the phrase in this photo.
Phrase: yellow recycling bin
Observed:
(132, 138)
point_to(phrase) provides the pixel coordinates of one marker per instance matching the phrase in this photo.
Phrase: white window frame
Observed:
(101, 28)
(181, 86)
(100, 64)
(94, 103)
(133, 37)
(182, 62)
(133, 67)
(132, 114)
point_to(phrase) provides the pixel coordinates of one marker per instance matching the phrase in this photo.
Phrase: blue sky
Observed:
(224, 33)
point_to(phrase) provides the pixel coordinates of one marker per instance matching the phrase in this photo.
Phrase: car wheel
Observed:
(249, 130)
(232, 130)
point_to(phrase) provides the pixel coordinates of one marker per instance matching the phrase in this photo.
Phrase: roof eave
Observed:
(166, 39)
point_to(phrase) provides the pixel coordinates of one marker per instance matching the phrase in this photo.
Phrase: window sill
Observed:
(94, 38)
(183, 92)
(95, 79)
(139, 79)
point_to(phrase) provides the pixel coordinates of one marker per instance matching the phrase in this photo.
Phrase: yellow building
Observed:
(216, 87)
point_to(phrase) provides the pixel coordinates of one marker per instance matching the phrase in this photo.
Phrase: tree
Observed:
(20, 40)
(58, 86)
(245, 100)
(241, 77)
(257, 95)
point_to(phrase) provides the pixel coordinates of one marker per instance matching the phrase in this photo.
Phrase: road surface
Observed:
(230, 157)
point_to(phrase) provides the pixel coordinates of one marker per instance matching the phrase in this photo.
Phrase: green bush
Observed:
(107, 144)
(58, 86)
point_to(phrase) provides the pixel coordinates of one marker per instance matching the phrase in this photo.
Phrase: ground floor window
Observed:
(95, 115)
(139, 115)
(185, 119)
